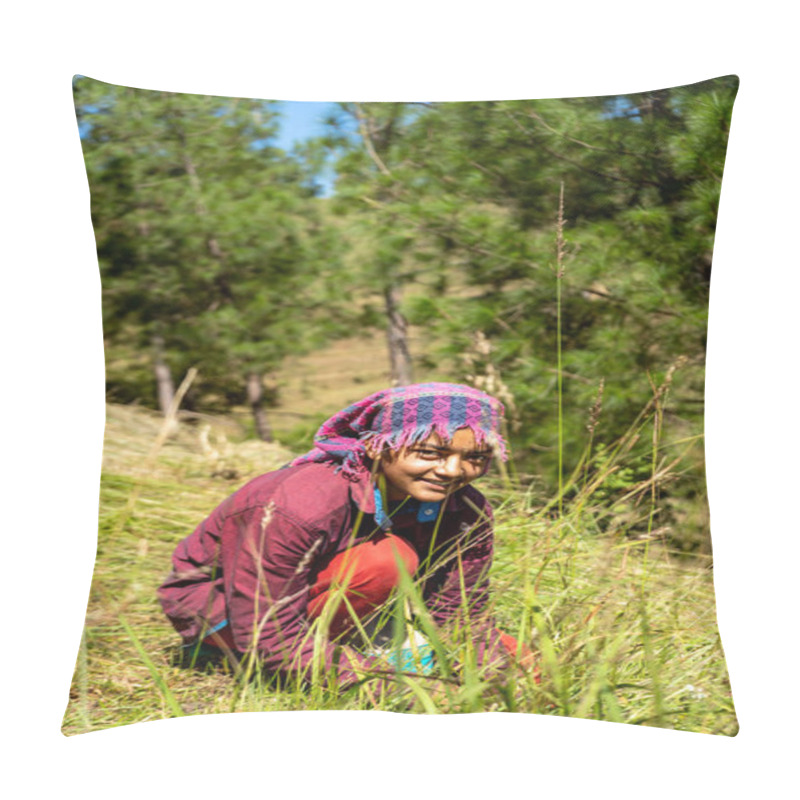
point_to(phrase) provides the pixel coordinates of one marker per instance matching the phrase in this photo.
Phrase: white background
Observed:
(52, 402)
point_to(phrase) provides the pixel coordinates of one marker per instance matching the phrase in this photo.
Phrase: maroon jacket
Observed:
(254, 559)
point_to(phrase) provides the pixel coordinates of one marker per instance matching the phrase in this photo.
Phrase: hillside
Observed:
(624, 630)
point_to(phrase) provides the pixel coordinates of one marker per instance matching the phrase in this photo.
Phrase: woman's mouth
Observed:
(436, 486)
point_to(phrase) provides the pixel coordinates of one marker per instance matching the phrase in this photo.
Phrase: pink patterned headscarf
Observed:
(400, 416)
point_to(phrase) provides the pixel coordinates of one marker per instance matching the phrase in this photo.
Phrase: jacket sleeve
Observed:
(267, 590)
(458, 593)
(192, 595)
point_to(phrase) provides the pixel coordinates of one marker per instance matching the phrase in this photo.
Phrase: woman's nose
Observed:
(450, 466)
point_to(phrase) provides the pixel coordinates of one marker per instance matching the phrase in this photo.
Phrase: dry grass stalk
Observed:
(167, 428)
(596, 409)
(485, 376)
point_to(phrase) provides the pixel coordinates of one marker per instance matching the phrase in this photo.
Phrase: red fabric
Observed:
(527, 658)
(368, 571)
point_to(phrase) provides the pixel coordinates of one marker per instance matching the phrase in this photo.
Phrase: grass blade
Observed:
(169, 698)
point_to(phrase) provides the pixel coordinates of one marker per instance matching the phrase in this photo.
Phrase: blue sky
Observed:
(302, 120)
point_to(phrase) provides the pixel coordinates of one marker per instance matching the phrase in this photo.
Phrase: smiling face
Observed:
(432, 469)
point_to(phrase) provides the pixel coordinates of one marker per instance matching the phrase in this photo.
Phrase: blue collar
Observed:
(426, 512)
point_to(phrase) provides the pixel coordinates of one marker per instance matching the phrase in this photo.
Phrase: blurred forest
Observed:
(436, 252)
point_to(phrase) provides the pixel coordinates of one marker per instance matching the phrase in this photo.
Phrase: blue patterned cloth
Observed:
(422, 664)
(426, 512)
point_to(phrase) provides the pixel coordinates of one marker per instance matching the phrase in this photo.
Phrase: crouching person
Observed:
(385, 491)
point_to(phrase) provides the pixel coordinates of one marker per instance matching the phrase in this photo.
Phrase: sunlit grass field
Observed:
(624, 629)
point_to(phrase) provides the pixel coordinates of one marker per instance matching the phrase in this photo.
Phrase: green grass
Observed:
(625, 630)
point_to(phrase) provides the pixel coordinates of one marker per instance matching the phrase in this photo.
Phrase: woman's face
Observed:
(432, 469)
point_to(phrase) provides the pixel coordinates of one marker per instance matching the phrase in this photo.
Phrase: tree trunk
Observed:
(164, 384)
(396, 331)
(396, 326)
(255, 396)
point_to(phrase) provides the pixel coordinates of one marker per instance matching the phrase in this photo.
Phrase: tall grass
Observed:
(623, 629)
(560, 252)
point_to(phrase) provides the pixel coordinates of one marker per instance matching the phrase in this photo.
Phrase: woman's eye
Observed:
(428, 453)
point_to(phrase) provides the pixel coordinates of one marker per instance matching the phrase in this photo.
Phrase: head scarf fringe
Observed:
(402, 416)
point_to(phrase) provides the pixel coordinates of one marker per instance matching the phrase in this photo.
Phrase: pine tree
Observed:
(207, 238)
(466, 211)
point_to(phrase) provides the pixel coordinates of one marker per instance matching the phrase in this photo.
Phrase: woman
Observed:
(385, 490)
